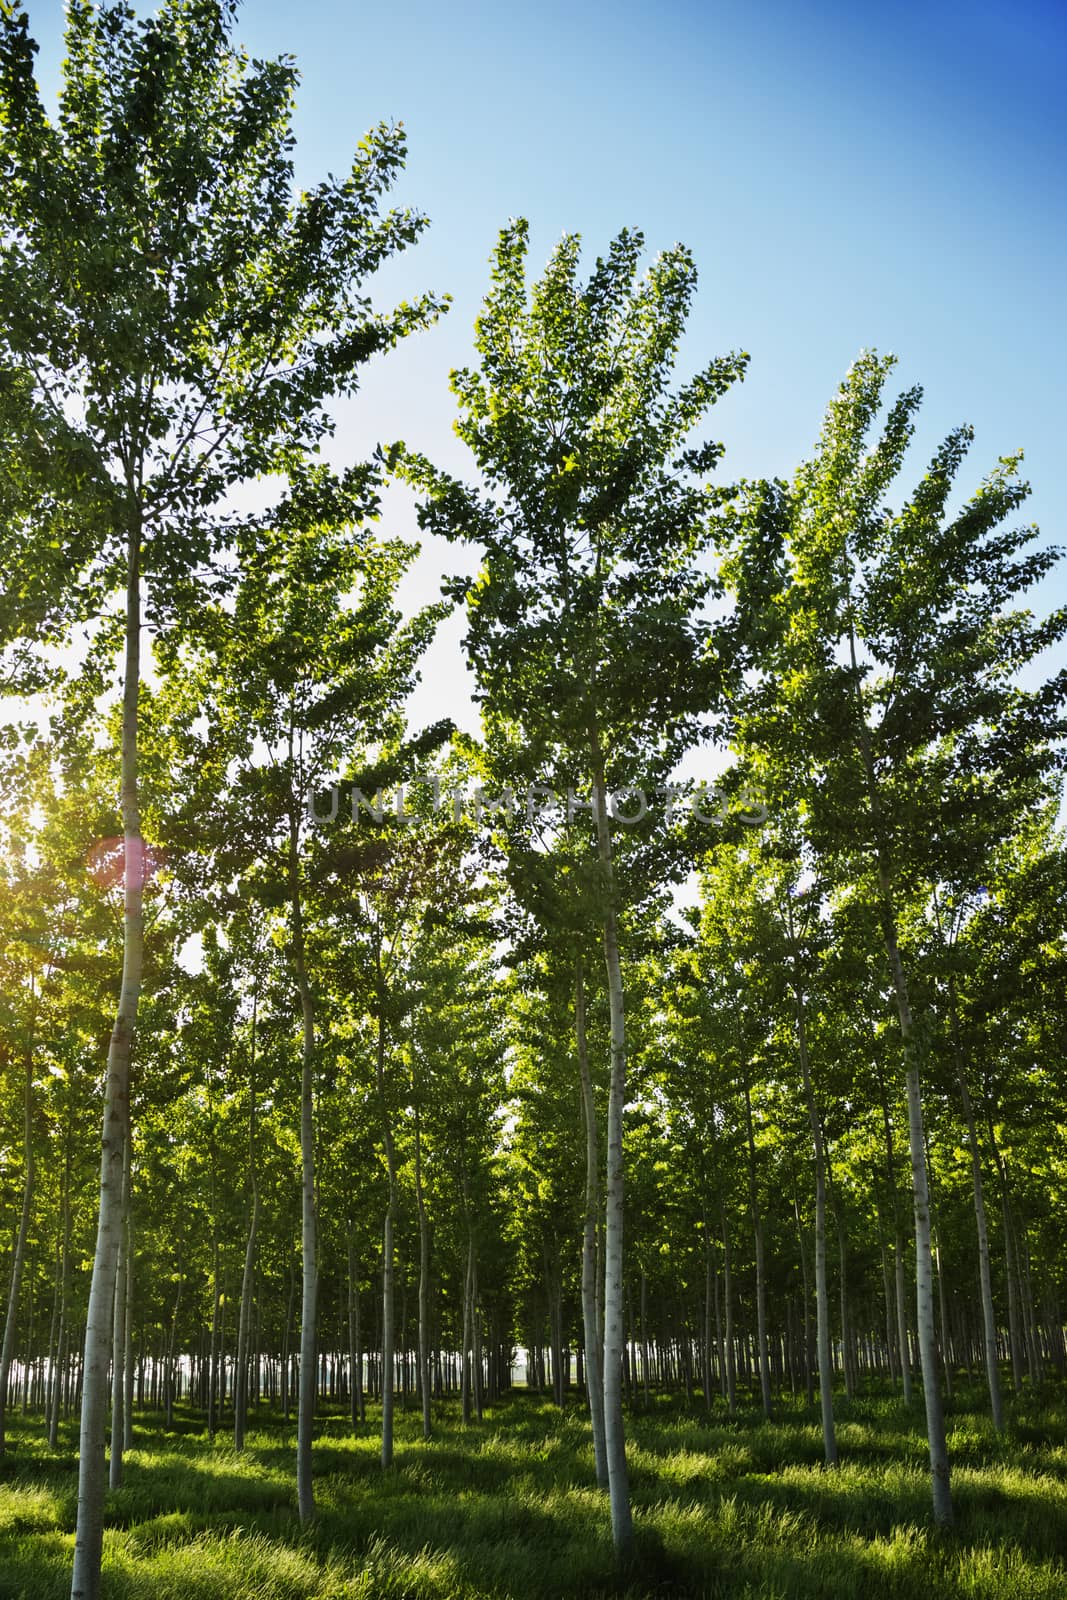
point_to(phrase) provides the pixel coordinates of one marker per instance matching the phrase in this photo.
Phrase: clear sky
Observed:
(846, 176)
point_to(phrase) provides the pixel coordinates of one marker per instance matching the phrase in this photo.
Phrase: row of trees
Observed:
(416, 1082)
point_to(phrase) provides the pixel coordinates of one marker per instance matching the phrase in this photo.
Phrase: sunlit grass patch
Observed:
(25, 1507)
(234, 1564)
(507, 1509)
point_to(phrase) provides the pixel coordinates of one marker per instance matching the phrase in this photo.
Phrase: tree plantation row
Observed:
(405, 1102)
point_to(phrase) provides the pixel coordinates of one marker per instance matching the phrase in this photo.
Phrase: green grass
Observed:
(505, 1510)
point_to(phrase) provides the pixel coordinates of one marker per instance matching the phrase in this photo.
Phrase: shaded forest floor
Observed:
(503, 1510)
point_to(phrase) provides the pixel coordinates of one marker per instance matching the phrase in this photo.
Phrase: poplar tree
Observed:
(886, 703)
(173, 320)
(299, 679)
(587, 630)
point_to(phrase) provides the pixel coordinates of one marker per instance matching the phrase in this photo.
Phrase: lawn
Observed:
(505, 1509)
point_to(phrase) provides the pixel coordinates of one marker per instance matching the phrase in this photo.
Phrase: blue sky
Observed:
(845, 176)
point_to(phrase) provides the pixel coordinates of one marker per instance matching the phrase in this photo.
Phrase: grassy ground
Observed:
(504, 1509)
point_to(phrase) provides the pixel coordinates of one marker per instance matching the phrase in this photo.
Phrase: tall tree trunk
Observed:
(62, 1338)
(761, 1271)
(900, 1301)
(1010, 1267)
(822, 1303)
(887, 1296)
(590, 1321)
(355, 1346)
(465, 1364)
(720, 1345)
(645, 1364)
(728, 1296)
(424, 1283)
(213, 1348)
(7, 1350)
(476, 1334)
(924, 1265)
(244, 1321)
(898, 1250)
(946, 1331)
(287, 1345)
(305, 1416)
(89, 1535)
(388, 1253)
(172, 1348)
(129, 1285)
(985, 1274)
(902, 1314)
(1033, 1345)
(847, 1360)
(614, 1325)
(118, 1336)
(809, 1363)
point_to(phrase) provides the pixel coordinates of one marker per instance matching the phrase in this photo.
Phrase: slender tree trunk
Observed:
(824, 1353)
(614, 1326)
(465, 1364)
(287, 1345)
(809, 1362)
(902, 1315)
(847, 1360)
(887, 1296)
(89, 1536)
(900, 1299)
(213, 1348)
(359, 1411)
(388, 1375)
(985, 1274)
(172, 1349)
(761, 1271)
(130, 1285)
(720, 1344)
(62, 1338)
(52, 1364)
(643, 1312)
(924, 1265)
(946, 1331)
(728, 1296)
(118, 1337)
(305, 1416)
(590, 1321)
(476, 1335)
(1033, 1345)
(822, 1304)
(244, 1321)
(7, 1350)
(424, 1283)
(388, 1261)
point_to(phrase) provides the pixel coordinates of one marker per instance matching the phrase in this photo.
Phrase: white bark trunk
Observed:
(590, 1319)
(924, 1263)
(244, 1323)
(762, 1355)
(424, 1284)
(985, 1275)
(305, 1419)
(118, 1335)
(7, 1351)
(728, 1296)
(89, 1535)
(822, 1299)
(614, 1326)
(388, 1254)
